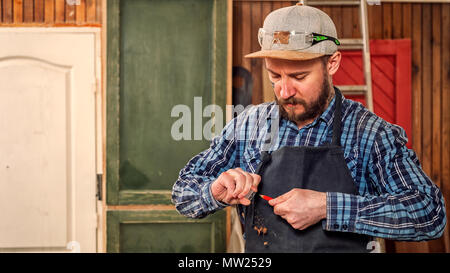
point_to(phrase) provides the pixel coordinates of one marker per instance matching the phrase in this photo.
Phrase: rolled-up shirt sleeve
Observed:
(191, 193)
(408, 205)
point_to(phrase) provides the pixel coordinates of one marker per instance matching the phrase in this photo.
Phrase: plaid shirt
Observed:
(396, 199)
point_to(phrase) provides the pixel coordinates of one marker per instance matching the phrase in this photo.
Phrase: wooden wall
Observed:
(427, 25)
(50, 12)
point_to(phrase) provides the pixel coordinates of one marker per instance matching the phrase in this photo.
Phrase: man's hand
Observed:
(231, 186)
(301, 208)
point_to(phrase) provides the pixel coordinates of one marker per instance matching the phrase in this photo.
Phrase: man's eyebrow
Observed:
(291, 74)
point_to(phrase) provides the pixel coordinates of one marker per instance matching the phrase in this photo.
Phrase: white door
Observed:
(48, 139)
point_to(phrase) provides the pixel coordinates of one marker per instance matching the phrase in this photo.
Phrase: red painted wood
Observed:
(391, 80)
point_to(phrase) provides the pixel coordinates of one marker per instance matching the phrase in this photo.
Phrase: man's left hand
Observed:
(301, 208)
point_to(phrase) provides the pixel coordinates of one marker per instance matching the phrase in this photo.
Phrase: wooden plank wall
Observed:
(50, 13)
(427, 26)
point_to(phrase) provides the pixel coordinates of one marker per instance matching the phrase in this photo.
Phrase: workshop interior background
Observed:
(127, 41)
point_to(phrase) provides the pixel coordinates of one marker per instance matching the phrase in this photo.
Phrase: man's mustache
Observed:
(293, 101)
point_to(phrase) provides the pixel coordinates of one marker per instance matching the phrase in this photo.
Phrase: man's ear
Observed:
(333, 63)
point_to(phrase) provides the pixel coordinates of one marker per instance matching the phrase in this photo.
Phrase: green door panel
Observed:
(168, 65)
(161, 53)
(164, 231)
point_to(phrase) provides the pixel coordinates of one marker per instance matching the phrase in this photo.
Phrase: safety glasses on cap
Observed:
(291, 40)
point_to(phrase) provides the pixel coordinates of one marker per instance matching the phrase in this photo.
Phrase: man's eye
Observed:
(275, 76)
(300, 78)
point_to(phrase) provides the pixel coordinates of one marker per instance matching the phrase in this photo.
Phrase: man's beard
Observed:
(312, 109)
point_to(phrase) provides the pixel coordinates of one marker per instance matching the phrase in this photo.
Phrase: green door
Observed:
(161, 53)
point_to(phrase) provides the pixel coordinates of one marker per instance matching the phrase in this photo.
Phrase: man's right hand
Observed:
(233, 185)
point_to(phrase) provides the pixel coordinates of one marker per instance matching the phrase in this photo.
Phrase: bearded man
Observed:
(338, 174)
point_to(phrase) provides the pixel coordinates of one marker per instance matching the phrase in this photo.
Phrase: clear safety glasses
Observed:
(291, 40)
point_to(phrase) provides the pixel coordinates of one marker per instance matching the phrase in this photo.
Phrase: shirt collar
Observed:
(327, 116)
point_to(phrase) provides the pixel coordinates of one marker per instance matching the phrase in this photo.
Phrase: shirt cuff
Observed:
(208, 199)
(342, 212)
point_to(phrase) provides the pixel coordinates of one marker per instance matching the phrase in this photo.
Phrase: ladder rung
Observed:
(353, 89)
(351, 44)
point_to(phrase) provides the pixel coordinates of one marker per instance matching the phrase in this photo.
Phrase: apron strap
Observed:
(337, 118)
(265, 158)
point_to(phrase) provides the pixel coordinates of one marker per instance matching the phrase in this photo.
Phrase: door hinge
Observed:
(99, 186)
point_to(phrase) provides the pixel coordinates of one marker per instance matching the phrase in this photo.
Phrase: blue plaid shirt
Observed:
(396, 199)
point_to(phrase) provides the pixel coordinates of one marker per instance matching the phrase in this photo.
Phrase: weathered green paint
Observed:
(220, 53)
(160, 54)
(164, 231)
(112, 103)
(145, 197)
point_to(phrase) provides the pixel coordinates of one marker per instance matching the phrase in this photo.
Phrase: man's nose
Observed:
(287, 90)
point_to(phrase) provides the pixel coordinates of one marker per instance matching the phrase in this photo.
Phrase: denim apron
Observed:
(320, 169)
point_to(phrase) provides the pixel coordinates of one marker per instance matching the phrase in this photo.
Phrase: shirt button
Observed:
(336, 226)
(344, 227)
(375, 231)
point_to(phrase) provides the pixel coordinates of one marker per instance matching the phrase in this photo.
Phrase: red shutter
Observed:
(391, 80)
